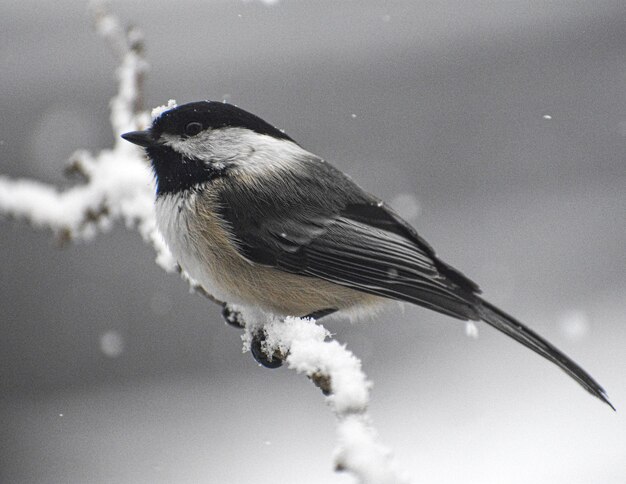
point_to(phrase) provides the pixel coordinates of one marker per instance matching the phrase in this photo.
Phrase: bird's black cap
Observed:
(214, 115)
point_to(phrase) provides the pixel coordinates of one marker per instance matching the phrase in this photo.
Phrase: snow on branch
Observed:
(117, 186)
(335, 369)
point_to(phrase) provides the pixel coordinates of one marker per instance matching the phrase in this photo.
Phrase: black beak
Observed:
(141, 138)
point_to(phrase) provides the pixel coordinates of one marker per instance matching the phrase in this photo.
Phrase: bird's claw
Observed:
(256, 348)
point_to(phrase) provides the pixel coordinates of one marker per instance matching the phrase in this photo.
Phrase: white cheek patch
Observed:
(199, 147)
(238, 148)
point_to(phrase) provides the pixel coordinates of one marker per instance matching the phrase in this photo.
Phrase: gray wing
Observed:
(345, 236)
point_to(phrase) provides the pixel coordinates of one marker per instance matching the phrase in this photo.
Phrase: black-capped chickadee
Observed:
(262, 223)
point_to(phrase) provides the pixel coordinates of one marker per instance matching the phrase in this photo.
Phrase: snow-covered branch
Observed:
(116, 186)
(335, 369)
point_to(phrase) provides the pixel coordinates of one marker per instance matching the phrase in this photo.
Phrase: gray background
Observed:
(110, 371)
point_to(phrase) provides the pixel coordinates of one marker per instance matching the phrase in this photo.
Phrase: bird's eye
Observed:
(193, 128)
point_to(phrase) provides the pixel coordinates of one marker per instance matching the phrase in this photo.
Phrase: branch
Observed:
(116, 185)
(338, 373)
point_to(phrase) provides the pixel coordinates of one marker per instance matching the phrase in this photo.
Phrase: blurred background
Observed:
(496, 128)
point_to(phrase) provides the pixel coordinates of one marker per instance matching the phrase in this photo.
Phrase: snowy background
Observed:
(497, 128)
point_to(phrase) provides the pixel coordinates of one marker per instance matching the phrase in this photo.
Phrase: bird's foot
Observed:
(256, 348)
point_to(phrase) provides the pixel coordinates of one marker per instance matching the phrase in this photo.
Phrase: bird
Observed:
(262, 223)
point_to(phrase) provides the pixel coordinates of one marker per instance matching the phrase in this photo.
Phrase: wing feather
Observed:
(347, 237)
(381, 263)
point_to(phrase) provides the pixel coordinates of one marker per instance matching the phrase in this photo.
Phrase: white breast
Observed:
(202, 259)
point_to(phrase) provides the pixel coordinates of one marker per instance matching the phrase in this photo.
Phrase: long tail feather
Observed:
(520, 333)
